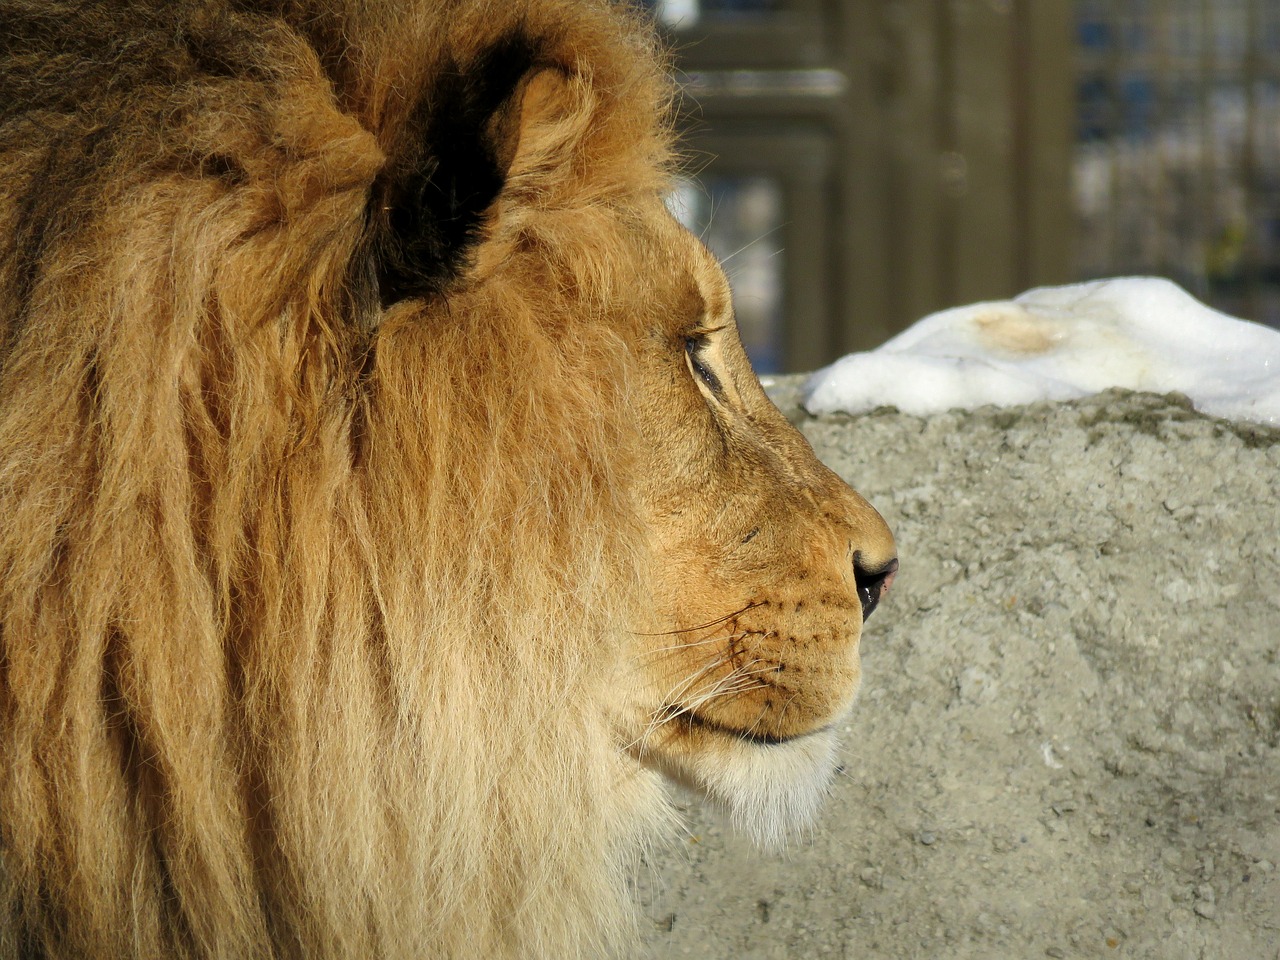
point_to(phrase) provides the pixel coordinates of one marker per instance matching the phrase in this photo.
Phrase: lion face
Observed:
(766, 566)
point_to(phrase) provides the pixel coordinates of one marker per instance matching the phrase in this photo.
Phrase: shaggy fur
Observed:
(308, 588)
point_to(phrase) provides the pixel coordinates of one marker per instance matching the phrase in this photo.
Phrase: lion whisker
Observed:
(676, 706)
(674, 695)
(725, 638)
(738, 674)
(737, 681)
(713, 623)
(686, 646)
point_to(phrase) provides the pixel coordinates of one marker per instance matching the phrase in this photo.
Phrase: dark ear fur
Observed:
(448, 167)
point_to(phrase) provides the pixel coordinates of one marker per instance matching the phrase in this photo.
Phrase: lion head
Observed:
(387, 501)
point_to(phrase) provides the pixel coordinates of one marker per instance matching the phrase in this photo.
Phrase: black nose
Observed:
(872, 584)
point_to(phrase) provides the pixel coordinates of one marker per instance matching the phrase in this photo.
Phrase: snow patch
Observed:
(1060, 343)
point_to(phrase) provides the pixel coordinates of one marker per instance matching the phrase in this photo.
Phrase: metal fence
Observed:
(1177, 155)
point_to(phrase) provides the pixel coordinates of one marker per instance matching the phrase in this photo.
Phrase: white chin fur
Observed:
(772, 793)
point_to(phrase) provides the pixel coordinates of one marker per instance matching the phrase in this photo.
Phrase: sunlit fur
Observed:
(346, 612)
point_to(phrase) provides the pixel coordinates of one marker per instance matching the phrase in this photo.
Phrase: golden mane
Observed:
(312, 576)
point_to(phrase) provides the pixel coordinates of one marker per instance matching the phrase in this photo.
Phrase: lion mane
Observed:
(318, 540)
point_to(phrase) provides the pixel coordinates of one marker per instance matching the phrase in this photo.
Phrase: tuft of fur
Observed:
(317, 540)
(772, 797)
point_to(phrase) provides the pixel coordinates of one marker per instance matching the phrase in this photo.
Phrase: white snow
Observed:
(1058, 343)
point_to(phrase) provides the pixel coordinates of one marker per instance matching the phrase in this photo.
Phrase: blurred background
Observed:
(860, 163)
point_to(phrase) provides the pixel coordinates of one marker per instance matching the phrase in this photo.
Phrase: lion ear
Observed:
(540, 96)
(450, 165)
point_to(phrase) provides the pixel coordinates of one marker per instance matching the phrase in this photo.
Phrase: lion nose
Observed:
(872, 584)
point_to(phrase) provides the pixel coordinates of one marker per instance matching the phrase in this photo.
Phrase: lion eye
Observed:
(693, 348)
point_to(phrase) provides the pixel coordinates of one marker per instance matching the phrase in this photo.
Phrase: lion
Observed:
(388, 509)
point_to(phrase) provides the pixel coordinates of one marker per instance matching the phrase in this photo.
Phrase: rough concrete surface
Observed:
(1068, 738)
